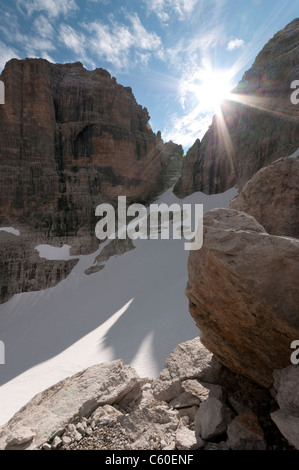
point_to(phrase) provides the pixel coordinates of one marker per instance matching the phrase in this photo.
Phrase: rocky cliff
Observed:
(70, 140)
(258, 125)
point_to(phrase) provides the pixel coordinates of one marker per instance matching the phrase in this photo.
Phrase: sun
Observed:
(214, 88)
(210, 87)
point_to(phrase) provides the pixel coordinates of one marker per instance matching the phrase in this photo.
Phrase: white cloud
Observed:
(186, 129)
(163, 16)
(142, 58)
(77, 43)
(53, 8)
(36, 44)
(123, 45)
(71, 39)
(43, 27)
(46, 56)
(235, 44)
(6, 53)
(163, 8)
(142, 38)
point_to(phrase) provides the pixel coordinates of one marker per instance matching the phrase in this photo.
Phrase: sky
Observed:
(180, 57)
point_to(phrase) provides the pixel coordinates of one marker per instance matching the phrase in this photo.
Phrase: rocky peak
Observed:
(257, 127)
(71, 139)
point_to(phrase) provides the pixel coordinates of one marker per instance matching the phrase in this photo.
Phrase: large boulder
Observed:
(272, 197)
(49, 412)
(243, 294)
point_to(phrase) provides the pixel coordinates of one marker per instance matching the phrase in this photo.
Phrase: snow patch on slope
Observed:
(134, 309)
(295, 154)
(12, 230)
(53, 252)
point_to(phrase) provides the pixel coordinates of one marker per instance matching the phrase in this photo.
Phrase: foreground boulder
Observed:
(272, 197)
(49, 412)
(243, 294)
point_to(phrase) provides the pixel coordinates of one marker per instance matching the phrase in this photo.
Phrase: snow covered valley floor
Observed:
(134, 309)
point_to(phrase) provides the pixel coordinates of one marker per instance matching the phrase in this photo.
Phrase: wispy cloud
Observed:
(164, 8)
(72, 39)
(6, 53)
(123, 45)
(43, 27)
(235, 44)
(53, 8)
(77, 42)
(186, 129)
(37, 43)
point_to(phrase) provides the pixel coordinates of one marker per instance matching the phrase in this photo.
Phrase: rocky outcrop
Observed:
(23, 270)
(70, 140)
(49, 412)
(107, 407)
(115, 247)
(272, 197)
(257, 125)
(243, 294)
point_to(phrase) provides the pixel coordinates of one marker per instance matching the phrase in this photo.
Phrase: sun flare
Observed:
(210, 87)
(213, 90)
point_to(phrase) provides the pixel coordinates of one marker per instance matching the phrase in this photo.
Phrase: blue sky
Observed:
(173, 53)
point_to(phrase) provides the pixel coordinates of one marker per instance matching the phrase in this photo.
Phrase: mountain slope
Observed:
(134, 309)
(70, 140)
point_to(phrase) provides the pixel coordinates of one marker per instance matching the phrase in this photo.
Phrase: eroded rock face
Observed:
(70, 140)
(272, 197)
(23, 270)
(258, 126)
(243, 294)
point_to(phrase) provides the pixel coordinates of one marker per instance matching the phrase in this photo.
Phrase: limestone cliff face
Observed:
(71, 139)
(259, 125)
